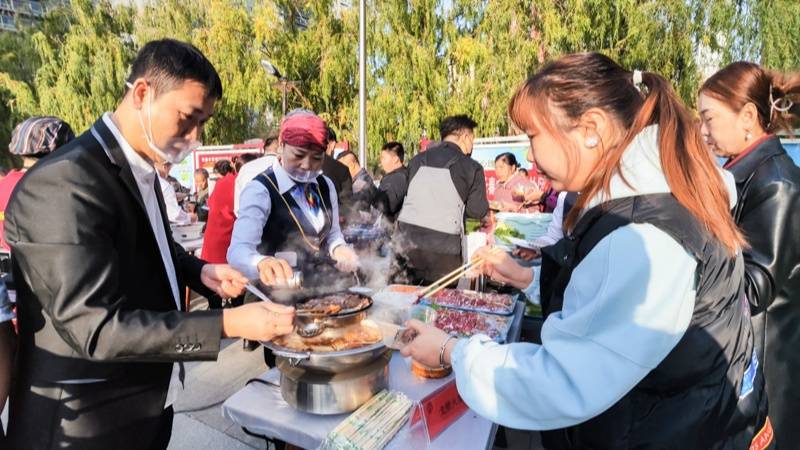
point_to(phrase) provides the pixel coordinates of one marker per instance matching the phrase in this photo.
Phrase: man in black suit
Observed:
(102, 330)
(340, 176)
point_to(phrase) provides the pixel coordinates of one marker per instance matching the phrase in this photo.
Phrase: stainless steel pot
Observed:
(333, 393)
(329, 362)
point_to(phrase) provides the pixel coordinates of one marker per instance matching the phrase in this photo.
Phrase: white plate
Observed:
(363, 290)
(522, 243)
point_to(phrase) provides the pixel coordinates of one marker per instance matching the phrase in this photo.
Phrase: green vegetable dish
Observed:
(504, 231)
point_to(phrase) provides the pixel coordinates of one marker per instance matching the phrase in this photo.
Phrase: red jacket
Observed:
(219, 227)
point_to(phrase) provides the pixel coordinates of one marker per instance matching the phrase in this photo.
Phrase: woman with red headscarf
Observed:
(289, 215)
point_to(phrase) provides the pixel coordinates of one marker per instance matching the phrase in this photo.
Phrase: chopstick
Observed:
(257, 292)
(443, 282)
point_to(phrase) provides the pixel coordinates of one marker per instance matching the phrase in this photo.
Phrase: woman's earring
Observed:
(592, 141)
(748, 136)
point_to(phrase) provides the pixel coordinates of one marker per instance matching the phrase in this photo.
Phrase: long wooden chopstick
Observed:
(443, 282)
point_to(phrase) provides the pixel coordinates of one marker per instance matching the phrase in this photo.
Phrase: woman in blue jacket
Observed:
(649, 343)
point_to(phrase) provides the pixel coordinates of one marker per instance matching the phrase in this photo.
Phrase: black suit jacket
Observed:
(392, 192)
(94, 302)
(340, 175)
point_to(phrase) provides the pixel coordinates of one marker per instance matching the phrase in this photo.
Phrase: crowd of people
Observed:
(670, 285)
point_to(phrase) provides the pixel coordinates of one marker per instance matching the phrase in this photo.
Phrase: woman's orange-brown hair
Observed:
(576, 83)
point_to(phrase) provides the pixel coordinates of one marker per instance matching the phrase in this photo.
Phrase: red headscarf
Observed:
(303, 128)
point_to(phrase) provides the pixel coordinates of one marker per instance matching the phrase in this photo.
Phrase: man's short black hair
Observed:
(167, 63)
(396, 148)
(243, 159)
(271, 137)
(456, 125)
(331, 135)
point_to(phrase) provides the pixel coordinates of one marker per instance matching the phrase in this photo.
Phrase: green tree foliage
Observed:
(426, 58)
(72, 66)
(777, 35)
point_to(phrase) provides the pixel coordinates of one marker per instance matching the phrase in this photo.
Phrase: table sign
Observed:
(440, 409)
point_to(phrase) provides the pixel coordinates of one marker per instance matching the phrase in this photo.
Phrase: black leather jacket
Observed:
(768, 212)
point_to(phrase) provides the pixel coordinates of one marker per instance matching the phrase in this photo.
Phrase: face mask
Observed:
(177, 149)
(302, 175)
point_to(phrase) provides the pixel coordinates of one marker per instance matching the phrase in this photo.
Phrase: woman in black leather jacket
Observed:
(741, 106)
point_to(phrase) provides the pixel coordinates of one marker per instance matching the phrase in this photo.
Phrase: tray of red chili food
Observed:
(468, 323)
(484, 302)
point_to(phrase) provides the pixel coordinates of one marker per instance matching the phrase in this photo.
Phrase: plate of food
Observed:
(339, 304)
(469, 323)
(333, 340)
(522, 226)
(504, 232)
(402, 288)
(487, 302)
(522, 243)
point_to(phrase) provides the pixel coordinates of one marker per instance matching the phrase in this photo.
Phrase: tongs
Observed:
(303, 326)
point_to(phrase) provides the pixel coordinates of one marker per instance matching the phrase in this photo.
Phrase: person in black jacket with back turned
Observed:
(445, 185)
(741, 106)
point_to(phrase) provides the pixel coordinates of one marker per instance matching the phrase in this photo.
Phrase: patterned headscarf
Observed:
(40, 135)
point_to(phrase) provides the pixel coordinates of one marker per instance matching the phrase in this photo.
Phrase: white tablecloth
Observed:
(260, 409)
(191, 245)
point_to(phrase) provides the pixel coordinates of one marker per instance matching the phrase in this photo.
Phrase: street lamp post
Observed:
(283, 84)
(362, 82)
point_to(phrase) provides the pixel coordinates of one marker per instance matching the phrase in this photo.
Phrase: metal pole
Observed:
(283, 89)
(362, 82)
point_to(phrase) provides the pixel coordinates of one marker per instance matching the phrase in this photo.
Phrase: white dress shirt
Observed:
(145, 175)
(555, 230)
(626, 306)
(254, 210)
(249, 171)
(175, 214)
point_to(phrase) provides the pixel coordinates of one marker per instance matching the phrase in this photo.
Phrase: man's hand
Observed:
(223, 279)
(258, 321)
(346, 259)
(274, 271)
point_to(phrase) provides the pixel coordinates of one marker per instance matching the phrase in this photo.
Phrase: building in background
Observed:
(17, 13)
